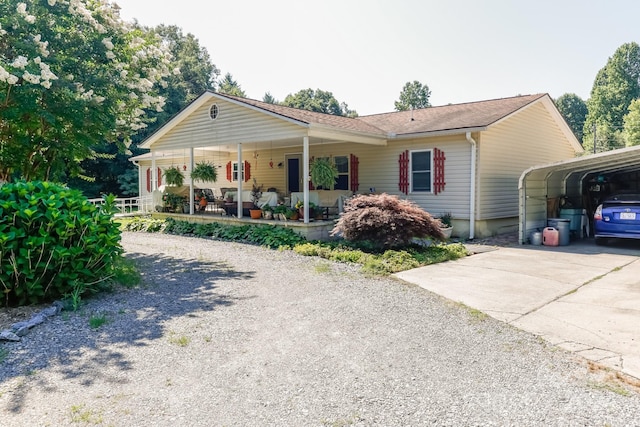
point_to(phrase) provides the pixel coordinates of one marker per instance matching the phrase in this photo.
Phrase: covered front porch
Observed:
(250, 142)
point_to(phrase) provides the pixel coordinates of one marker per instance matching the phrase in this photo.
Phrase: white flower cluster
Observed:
(7, 77)
(78, 8)
(139, 64)
(42, 45)
(22, 11)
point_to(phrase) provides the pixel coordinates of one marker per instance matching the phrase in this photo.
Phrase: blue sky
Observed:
(365, 51)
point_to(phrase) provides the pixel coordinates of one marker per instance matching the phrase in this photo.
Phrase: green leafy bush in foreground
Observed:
(53, 242)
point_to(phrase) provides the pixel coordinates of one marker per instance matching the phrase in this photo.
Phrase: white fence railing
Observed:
(130, 204)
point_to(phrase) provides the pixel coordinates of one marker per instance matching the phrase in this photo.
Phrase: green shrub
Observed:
(385, 220)
(142, 223)
(53, 241)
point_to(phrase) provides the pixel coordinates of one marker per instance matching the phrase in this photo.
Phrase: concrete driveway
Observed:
(582, 298)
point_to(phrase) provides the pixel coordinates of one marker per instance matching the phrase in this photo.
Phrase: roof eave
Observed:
(331, 132)
(442, 132)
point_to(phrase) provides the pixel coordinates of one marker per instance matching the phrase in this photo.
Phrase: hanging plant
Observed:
(174, 176)
(323, 173)
(204, 171)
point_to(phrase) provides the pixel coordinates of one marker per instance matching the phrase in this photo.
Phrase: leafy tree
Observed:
(269, 99)
(414, 95)
(230, 86)
(319, 101)
(73, 76)
(112, 171)
(574, 111)
(615, 86)
(632, 124)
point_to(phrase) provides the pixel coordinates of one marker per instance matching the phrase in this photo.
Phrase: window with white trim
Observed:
(234, 172)
(421, 168)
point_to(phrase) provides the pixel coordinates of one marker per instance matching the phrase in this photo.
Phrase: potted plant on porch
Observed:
(267, 211)
(323, 173)
(204, 171)
(256, 193)
(173, 176)
(300, 208)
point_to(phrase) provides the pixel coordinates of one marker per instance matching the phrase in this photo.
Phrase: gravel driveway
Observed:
(224, 334)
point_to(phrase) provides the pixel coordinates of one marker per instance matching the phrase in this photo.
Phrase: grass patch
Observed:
(97, 320)
(388, 262)
(80, 414)
(180, 341)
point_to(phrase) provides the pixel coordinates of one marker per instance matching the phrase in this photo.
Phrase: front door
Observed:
(294, 172)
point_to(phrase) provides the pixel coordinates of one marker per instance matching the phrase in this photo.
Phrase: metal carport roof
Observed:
(538, 184)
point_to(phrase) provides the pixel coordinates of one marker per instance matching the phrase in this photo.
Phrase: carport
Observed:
(572, 185)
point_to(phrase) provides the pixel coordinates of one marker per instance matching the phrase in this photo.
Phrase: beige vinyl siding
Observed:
(507, 149)
(235, 124)
(379, 169)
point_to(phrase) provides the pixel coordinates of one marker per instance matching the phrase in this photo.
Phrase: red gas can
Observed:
(550, 236)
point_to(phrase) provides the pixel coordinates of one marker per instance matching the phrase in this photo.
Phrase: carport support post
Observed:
(305, 174)
(240, 179)
(191, 195)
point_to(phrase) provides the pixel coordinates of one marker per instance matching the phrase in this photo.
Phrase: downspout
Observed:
(472, 188)
(241, 173)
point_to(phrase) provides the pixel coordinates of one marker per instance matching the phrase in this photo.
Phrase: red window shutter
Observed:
(438, 172)
(148, 180)
(247, 171)
(403, 163)
(159, 177)
(353, 164)
(229, 175)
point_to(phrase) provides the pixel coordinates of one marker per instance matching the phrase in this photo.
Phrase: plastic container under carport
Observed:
(562, 225)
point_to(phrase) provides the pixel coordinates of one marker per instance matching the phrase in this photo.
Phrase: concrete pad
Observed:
(579, 297)
(505, 295)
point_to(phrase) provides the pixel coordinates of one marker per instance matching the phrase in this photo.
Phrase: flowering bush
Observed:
(72, 75)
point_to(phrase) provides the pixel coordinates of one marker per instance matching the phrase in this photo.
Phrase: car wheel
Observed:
(600, 241)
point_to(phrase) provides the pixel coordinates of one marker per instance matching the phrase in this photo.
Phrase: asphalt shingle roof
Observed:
(443, 118)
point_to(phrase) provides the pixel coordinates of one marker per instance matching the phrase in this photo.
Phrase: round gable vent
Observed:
(213, 112)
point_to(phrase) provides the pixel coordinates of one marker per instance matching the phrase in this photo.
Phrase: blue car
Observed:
(617, 217)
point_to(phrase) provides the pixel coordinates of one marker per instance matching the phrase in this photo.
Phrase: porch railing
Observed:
(129, 204)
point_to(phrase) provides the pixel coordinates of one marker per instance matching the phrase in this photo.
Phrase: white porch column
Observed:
(240, 179)
(154, 172)
(305, 179)
(191, 195)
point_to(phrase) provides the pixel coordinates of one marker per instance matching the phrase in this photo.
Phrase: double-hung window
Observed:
(234, 172)
(421, 171)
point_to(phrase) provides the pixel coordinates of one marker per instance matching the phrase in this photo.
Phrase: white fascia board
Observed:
(330, 132)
